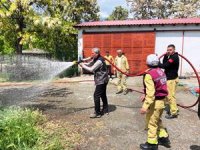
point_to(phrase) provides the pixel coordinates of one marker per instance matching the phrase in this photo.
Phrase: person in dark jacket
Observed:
(171, 66)
(98, 66)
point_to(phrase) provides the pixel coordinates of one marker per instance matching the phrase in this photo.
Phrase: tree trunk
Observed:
(19, 46)
(21, 24)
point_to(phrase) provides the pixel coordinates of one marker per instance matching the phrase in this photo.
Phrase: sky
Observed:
(107, 6)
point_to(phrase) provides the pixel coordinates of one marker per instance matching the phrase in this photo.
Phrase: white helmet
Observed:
(152, 60)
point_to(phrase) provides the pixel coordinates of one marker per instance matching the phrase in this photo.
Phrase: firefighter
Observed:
(108, 65)
(171, 66)
(98, 67)
(155, 94)
(122, 63)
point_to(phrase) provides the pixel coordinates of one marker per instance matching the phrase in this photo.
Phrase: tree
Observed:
(46, 24)
(83, 10)
(157, 9)
(119, 13)
(141, 9)
(186, 8)
(17, 18)
(62, 42)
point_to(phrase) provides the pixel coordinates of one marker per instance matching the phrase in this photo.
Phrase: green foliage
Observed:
(157, 9)
(19, 130)
(83, 10)
(5, 47)
(61, 46)
(70, 72)
(186, 8)
(119, 13)
(44, 24)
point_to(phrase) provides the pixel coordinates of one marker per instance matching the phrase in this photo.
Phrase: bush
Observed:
(70, 72)
(19, 130)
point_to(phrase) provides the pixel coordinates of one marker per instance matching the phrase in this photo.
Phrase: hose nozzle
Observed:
(77, 62)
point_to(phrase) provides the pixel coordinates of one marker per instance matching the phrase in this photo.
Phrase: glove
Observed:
(80, 61)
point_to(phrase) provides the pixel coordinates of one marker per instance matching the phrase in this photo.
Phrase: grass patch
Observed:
(68, 133)
(20, 130)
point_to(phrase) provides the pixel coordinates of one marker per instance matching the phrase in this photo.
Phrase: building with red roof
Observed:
(138, 38)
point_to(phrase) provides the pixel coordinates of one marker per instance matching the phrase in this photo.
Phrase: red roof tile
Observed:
(141, 22)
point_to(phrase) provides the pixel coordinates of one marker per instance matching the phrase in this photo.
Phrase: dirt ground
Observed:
(69, 102)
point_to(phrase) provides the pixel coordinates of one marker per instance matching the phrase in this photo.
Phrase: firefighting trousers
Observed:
(121, 84)
(171, 86)
(100, 93)
(109, 70)
(154, 122)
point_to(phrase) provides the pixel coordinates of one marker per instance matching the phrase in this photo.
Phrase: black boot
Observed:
(148, 146)
(104, 111)
(95, 115)
(167, 109)
(171, 116)
(164, 141)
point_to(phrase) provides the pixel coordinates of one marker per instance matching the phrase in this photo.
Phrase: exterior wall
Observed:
(187, 43)
(136, 46)
(142, 28)
(163, 39)
(191, 50)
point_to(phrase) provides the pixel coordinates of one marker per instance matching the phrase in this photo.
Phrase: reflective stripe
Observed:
(152, 141)
(163, 133)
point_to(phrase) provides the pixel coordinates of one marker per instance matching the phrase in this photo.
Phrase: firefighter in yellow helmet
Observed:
(155, 85)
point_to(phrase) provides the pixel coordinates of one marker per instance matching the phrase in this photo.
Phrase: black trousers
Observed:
(100, 93)
(109, 70)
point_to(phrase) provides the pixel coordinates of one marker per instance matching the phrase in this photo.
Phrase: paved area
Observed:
(123, 128)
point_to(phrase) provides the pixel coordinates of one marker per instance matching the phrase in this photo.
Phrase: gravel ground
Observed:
(123, 128)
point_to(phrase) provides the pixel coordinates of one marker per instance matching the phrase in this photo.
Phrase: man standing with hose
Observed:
(98, 67)
(171, 66)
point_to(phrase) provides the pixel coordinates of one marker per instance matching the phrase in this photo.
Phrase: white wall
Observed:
(163, 39)
(189, 45)
(191, 50)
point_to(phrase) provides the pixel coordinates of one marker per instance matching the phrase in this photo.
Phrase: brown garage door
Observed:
(135, 45)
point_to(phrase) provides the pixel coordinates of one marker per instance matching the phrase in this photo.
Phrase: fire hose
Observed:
(139, 74)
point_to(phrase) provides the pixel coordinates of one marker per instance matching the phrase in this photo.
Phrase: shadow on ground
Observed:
(194, 147)
(67, 111)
